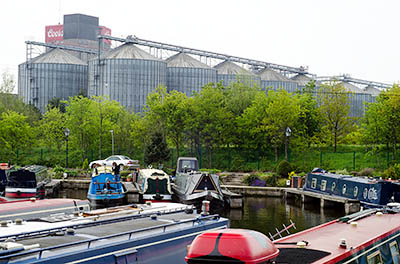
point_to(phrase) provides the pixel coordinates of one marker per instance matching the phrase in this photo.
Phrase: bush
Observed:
(248, 179)
(366, 172)
(281, 183)
(85, 164)
(72, 173)
(124, 173)
(211, 171)
(342, 172)
(284, 168)
(58, 169)
(393, 172)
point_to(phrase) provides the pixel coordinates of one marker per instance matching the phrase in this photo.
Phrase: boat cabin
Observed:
(366, 190)
(154, 184)
(186, 164)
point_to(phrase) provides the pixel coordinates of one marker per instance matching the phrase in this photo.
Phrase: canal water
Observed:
(263, 214)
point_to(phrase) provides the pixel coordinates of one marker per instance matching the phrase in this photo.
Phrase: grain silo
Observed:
(301, 79)
(187, 75)
(126, 74)
(358, 99)
(372, 90)
(229, 72)
(271, 79)
(54, 74)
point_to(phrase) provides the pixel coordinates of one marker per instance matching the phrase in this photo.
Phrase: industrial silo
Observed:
(229, 72)
(301, 79)
(54, 74)
(126, 74)
(271, 79)
(358, 99)
(372, 90)
(187, 75)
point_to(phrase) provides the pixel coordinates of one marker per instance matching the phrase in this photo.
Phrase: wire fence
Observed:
(230, 159)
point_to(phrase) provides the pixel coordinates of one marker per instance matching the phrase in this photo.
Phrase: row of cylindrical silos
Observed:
(127, 74)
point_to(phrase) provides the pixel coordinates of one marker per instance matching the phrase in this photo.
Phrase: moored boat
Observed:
(26, 182)
(192, 186)
(370, 236)
(106, 189)
(144, 233)
(369, 191)
(155, 185)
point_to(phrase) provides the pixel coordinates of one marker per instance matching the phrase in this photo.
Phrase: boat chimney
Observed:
(205, 208)
(343, 243)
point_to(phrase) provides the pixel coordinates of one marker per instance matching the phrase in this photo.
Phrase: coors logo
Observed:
(54, 33)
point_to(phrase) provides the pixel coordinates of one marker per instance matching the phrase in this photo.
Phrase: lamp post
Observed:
(288, 132)
(112, 140)
(66, 132)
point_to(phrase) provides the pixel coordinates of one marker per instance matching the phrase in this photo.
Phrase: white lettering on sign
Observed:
(55, 33)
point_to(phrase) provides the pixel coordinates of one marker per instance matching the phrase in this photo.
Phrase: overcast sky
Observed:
(356, 37)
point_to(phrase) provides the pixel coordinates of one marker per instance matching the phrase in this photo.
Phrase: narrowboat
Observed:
(143, 233)
(26, 182)
(366, 237)
(192, 186)
(106, 189)
(154, 185)
(370, 192)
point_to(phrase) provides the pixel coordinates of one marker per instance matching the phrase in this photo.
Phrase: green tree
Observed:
(15, 132)
(335, 109)
(282, 112)
(52, 128)
(209, 118)
(156, 152)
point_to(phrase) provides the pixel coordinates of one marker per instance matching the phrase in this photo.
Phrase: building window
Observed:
(333, 186)
(394, 250)
(314, 183)
(344, 189)
(323, 185)
(375, 258)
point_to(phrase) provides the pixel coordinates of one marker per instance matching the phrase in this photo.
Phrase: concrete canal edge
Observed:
(325, 201)
(349, 205)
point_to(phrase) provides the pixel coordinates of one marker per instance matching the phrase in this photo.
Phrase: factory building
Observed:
(77, 61)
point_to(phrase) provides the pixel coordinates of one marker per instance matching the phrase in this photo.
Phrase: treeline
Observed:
(236, 116)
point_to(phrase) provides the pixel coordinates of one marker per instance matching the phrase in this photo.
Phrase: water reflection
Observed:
(266, 214)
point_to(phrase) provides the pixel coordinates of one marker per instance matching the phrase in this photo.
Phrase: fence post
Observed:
(229, 158)
(320, 159)
(41, 154)
(387, 158)
(172, 158)
(201, 159)
(258, 160)
(354, 160)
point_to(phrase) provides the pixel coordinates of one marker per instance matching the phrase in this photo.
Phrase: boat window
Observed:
(333, 186)
(314, 183)
(355, 191)
(323, 185)
(394, 250)
(365, 193)
(344, 189)
(375, 258)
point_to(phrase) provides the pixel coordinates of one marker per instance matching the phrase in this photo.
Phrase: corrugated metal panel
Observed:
(271, 79)
(229, 72)
(358, 103)
(187, 75)
(40, 82)
(127, 81)
(57, 56)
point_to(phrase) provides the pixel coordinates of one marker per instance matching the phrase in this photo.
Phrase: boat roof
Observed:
(349, 177)
(152, 172)
(102, 169)
(328, 236)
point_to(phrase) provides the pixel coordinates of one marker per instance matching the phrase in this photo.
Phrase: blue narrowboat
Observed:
(105, 189)
(370, 192)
